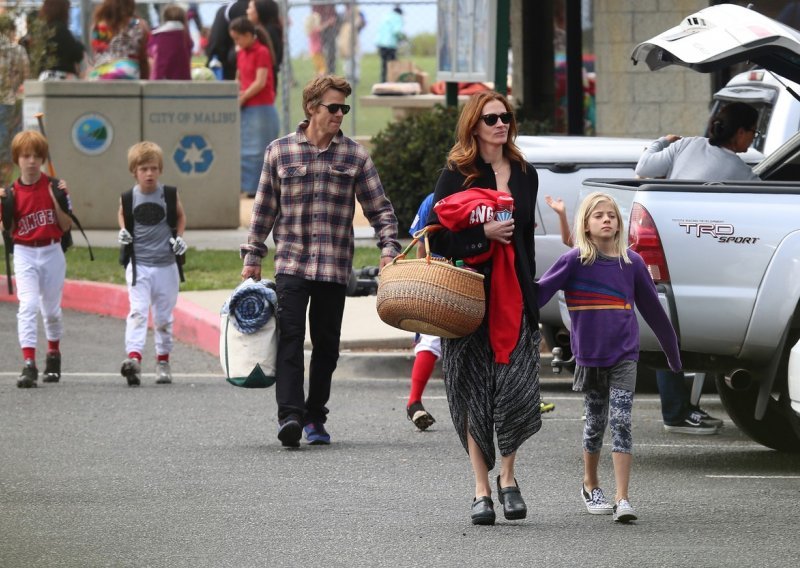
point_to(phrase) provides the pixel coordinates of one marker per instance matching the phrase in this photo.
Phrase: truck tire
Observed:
(780, 427)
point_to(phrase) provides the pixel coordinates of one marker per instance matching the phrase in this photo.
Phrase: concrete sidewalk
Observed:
(370, 348)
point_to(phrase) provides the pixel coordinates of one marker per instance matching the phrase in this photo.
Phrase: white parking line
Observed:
(755, 476)
(706, 446)
(91, 374)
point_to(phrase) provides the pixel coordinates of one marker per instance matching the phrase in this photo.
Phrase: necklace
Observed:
(499, 168)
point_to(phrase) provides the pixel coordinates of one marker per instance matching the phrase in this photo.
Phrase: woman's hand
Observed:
(500, 231)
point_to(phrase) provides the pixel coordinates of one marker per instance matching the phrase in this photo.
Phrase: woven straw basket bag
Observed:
(430, 296)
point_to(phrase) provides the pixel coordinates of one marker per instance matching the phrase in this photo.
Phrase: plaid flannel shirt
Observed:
(306, 198)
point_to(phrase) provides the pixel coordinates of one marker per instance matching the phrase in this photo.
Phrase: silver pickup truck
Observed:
(726, 256)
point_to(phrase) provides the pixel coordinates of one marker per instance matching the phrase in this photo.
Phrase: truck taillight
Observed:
(643, 238)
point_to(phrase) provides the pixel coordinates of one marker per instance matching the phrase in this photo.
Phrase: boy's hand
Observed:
(124, 237)
(62, 185)
(179, 246)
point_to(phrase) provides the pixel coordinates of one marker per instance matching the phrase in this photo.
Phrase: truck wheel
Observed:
(780, 427)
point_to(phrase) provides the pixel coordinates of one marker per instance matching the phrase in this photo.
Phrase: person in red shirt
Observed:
(259, 118)
(39, 263)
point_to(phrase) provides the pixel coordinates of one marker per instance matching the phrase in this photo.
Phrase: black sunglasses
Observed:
(333, 108)
(491, 119)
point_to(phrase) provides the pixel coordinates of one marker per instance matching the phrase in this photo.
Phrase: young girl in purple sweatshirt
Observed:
(602, 283)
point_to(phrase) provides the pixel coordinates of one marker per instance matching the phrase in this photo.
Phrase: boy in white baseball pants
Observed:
(36, 228)
(152, 271)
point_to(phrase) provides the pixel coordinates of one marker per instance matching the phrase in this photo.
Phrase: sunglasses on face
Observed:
(333, 108)
(491, 119)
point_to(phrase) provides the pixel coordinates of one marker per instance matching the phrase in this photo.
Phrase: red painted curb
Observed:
(193, 324)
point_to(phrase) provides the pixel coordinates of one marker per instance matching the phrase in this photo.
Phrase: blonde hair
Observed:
(143, 152)
(316, 88)
(464, 154)
(588, 250)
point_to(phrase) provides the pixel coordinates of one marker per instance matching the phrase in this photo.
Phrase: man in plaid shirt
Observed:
(306, 198)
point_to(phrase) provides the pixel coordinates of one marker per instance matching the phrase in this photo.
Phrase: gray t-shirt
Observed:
(692, 159)
(151, 233)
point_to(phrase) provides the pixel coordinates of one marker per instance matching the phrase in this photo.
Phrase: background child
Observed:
(39, 263)
(259, 118)
(428, 348)
(154, 262)
(603, 283)
(169, 48)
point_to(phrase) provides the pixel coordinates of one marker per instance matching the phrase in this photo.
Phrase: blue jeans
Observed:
(674, 396)
(259, 126)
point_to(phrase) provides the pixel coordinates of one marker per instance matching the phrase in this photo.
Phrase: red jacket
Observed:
(477, 206)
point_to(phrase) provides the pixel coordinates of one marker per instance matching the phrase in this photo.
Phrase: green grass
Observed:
(204, 270)
(369, 120)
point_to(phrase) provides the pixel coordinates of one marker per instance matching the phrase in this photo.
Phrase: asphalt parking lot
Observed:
(95, 473)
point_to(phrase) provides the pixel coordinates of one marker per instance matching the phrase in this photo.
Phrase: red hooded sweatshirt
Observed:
(477, 206)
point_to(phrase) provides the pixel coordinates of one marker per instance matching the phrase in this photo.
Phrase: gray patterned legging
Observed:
(486, 396)
(596, 405)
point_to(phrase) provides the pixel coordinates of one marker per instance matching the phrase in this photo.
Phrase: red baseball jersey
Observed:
(34, 215)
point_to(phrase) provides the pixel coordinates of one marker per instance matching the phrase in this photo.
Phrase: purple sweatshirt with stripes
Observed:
(601, 298)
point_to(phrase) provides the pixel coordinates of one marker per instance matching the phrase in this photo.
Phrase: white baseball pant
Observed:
(40, 273)
(432, 343)
(156, 288)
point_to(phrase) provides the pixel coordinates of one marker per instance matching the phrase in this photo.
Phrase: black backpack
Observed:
(8, 204)
(126, 251)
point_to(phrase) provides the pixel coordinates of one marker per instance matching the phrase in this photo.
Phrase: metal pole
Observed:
(574, 68)
(353, 41)
(287, 76)
(501, 46)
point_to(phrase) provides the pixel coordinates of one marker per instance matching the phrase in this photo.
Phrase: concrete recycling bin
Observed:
(89, 125)
(197, 126)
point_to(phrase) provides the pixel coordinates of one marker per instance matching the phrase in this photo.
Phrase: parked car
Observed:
(726, 256)
(775, 99)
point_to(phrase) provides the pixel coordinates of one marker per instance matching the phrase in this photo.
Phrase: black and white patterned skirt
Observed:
(486, 396)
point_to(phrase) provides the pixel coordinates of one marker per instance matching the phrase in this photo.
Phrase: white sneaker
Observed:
(163, 373)
(595, 502)
(623, 512)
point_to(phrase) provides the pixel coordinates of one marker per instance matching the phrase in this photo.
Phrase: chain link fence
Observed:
(349, 39)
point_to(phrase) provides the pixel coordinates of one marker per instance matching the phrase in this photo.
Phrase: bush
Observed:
(423, 45)
(410, 154)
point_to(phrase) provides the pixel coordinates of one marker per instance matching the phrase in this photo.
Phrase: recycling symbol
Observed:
(193, 155)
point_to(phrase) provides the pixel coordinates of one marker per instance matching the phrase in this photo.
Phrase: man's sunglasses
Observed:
(333, 108)
(491, 119)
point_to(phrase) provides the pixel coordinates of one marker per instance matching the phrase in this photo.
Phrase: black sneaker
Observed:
(693, 424)
(707, 418)
(132, 371)
(28, 376)
(52, 367)
(290, 431)
(419, 416)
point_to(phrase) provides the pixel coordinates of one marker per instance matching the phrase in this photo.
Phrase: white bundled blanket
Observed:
(248, 342)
